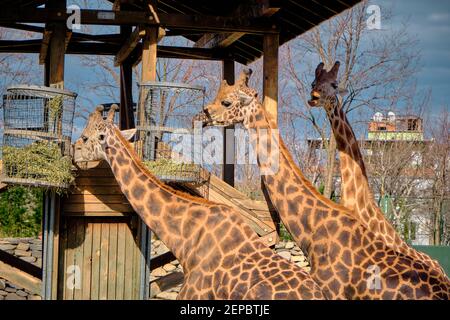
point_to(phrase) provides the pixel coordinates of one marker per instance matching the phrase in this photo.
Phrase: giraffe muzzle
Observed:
(314, 101)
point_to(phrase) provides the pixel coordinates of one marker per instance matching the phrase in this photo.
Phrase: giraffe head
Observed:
(325, 86)
(96, 136)
(233, 103)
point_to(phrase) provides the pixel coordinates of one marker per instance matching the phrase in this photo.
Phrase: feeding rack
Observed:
(37, 136)
(164, 115)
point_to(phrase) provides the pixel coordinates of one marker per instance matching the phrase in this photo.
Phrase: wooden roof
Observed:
(293, 18)
(231, 29)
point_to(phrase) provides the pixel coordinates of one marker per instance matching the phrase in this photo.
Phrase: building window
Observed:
(381, 128)
(412, 125)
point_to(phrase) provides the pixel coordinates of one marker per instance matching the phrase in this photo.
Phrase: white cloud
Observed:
(439, 16)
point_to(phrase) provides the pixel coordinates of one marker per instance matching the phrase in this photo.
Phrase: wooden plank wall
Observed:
(96, 193)
(100, 236)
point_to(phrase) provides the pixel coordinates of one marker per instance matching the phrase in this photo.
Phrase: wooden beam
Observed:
(56, 62)
(21, 273)
(77, 47)
(149, 55)
(161, 260)
(20, 278)
(23, 27)
(250, 11)
(165, 283)
(270, 75)
(129, 45)
(204, 23)
(44, 46)
(218, 40)
(126, 113)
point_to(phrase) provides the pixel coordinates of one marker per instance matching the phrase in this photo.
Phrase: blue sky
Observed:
(429, 21)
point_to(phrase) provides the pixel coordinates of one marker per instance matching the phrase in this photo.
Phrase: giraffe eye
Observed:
(226, 103)
(84, 139)
(101, 137)
(334, 85)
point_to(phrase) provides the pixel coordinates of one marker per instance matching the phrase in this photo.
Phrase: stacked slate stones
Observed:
(29, 250)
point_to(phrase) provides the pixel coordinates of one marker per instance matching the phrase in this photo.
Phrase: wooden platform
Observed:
(256, 213)
(96, 193)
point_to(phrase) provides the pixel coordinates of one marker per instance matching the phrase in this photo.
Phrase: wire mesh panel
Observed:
(37, 136)
(164, 130)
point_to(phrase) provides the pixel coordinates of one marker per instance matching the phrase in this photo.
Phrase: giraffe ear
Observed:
(334, 70)
(245, 99)
(128, 134)
(319, 69)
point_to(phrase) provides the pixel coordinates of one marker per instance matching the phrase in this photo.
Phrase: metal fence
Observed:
(37, 135)
(164, 116)
(439, 253)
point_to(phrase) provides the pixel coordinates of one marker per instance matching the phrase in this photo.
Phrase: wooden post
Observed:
(57, 51)
(126, 114)
(53, 77)
(148, 73)
(228, 74)
(270, 93)
(149, 55)
(270, 81)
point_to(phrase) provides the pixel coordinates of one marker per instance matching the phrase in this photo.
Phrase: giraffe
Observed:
(356, 192)
(221, 256)
(347, 260)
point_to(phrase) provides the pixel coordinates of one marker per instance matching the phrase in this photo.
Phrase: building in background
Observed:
(394, 151)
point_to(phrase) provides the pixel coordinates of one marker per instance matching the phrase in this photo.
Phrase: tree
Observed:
(438, 195)
(20, 212)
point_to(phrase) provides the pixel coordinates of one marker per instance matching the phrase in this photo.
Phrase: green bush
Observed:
(20, 212)
(284, 234)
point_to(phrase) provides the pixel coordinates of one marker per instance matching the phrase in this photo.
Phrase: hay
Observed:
(55, 107)
(171, 170)
(40, 160)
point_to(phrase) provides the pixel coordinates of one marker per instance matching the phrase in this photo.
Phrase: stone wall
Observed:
(161, 279)
(29, 250)
(288, 250)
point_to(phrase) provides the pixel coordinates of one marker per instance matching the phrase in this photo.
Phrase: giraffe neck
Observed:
(186, 224)
(300, 206)
(356, 192)
(355, 188)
